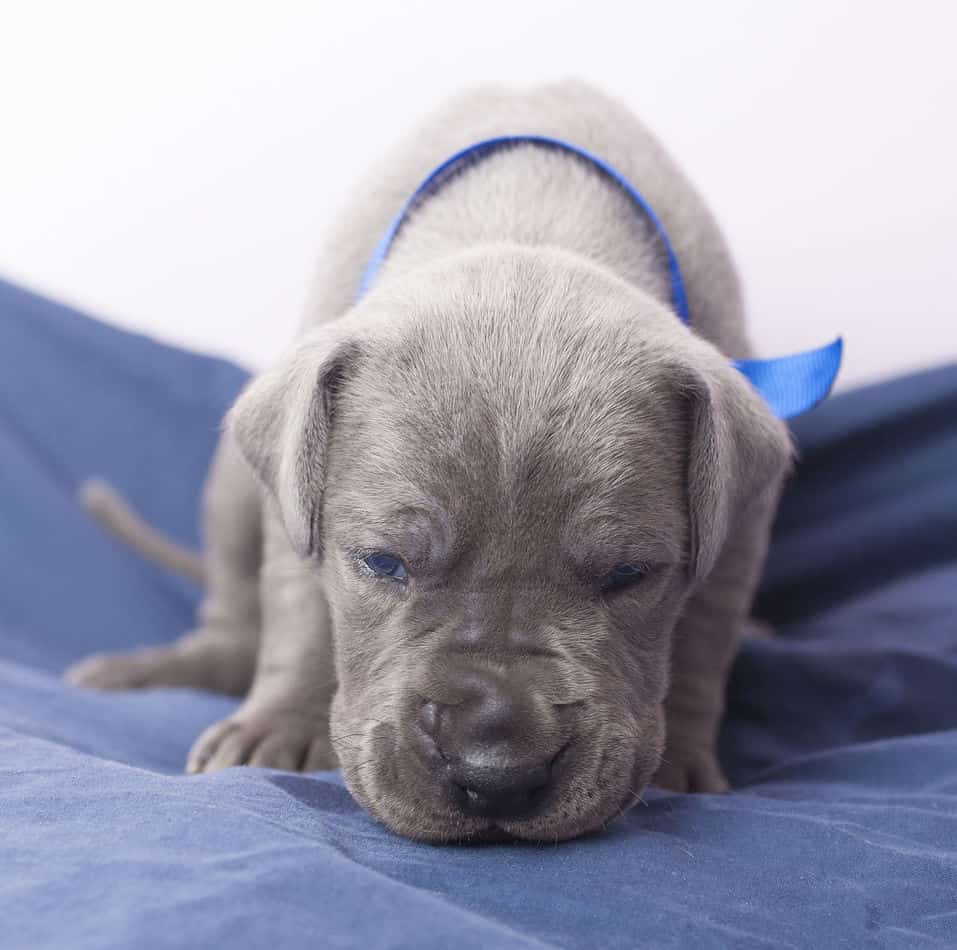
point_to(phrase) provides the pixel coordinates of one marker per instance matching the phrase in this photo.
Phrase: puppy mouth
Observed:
(592, 782)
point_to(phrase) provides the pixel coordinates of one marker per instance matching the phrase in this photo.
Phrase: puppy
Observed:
(486, 537)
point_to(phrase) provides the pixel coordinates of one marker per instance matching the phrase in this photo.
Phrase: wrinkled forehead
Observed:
(511, 442)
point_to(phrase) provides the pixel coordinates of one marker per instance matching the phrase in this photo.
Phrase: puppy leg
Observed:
(706, 641)
(220, 654)
(284, 722)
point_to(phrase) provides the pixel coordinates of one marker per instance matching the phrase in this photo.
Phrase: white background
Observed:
(171, 165)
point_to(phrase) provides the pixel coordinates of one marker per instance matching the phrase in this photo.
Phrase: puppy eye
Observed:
(386, 565)
(623, 575)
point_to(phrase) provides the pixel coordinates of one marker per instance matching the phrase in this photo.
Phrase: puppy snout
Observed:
(488, 745)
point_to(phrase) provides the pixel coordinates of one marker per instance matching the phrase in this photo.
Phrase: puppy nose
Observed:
(490, 712)
(486, 741)
(490, 792)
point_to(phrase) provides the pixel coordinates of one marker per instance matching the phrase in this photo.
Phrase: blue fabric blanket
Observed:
(841, 734)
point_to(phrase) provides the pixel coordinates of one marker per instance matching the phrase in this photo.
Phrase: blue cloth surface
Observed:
(841, 734)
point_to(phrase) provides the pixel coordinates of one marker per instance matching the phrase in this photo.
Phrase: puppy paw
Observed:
(691, 769)
(134, 670)
(277, 740)
(201, 661)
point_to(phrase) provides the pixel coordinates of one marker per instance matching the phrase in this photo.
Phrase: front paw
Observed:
(271, 739)
(690, 767)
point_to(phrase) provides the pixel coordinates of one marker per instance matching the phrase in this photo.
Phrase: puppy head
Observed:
(511, 468)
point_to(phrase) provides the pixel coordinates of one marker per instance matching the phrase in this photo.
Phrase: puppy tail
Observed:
(113, 513)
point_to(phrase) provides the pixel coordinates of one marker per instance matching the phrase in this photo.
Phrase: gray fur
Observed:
(514, 408)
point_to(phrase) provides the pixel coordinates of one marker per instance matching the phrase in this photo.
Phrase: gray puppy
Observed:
(486, 539)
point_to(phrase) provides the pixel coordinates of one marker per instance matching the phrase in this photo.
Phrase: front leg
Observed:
(706, 641)
(284, 722)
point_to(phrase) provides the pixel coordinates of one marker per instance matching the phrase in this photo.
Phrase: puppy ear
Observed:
(739, 451)
(282, 422)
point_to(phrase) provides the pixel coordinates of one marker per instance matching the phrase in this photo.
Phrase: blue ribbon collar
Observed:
(790, 385)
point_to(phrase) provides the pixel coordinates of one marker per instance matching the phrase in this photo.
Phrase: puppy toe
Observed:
(220, 746)
(280, 751)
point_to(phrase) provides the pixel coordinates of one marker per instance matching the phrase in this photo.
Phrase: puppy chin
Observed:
(412, 817)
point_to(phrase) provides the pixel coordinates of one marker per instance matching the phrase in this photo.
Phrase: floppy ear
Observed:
(739, 451)
(282, 421)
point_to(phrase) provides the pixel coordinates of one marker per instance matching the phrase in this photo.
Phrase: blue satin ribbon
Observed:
(790, 385)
